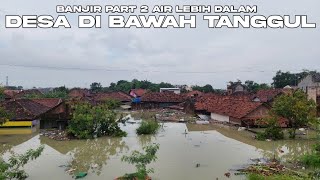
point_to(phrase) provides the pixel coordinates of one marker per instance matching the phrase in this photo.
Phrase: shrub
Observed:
(94, 121)
(141, 161)
(311, 160)
(13, 168)
(148, 127)
(273, 130)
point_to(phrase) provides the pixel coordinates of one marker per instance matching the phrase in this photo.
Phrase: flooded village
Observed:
(201, 135)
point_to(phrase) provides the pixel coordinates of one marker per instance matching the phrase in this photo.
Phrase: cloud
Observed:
(180, 56)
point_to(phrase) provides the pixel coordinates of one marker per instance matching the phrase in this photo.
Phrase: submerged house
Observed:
(243, 113)
(239, 110)
(153, 100)
(118, 96)
(43, 113)
(57, 115)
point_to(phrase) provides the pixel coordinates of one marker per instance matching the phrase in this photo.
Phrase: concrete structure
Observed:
(174, 90)
(236, 87)
(219, 117)
(311, 86)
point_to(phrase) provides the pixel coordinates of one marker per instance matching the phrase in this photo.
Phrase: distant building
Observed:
(154, 100)
(174, 90)
(118, 96)
(137, 92)
(236, 87)
(311, 86)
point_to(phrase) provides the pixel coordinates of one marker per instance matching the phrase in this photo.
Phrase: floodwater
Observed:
(217, 151)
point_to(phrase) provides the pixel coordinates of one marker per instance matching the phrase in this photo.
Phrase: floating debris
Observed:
(81, 175)
(58, 135)
(227, 174)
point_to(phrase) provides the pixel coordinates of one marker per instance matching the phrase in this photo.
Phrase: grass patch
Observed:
(148, 127)
(311, 160)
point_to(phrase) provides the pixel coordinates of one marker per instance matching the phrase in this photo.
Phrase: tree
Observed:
(61, 89)
(296, 108)
(90, 121)
(12, 168)
(95, 87)
(141, 160)
(207, 88)
(273, 130)
(254, 87)
(1, 93)
(282, 79)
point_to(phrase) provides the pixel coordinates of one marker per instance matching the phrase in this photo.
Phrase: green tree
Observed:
(296, 108)
(141, 160)
(1, 93)
(96, 87)
(90, 121)
(13, 168)
(61, 89)
(148, 127)
(282, 79)
(273, 130)
(254, 87)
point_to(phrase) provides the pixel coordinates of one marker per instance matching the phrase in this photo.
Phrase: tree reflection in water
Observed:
(145, 140)
(94, 154)
(289, 150)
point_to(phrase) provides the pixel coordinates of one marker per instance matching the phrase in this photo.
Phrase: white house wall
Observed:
(219, 117)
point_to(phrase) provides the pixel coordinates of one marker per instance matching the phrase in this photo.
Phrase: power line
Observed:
(113, 69)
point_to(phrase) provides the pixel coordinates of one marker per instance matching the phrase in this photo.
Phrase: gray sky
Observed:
(179, 56)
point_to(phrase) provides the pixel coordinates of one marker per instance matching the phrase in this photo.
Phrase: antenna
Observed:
(7, 81)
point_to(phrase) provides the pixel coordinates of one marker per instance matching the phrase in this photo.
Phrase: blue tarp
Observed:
(136, 100)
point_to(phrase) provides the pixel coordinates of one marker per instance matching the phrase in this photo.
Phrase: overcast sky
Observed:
(77, 57)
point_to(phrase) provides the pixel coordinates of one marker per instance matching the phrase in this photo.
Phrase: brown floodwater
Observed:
(216, 149)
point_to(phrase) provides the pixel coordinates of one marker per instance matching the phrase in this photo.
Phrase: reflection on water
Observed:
(215, 149)
(93, 154)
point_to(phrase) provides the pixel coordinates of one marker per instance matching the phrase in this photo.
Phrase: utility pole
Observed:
(7, 81)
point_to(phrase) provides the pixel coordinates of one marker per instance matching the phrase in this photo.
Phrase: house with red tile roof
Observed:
(158, 100)
(10, 94)
(244, 113)
(118, 96)
(77, 93)
(137, 92)
(16, 94)
(238, 110)
(267, 95)
(195, 93)
(49, 113)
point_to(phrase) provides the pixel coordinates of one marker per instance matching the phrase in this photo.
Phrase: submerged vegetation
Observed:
(141, 160)
(90, 121)
(13, 168)
(296, 108)
(148, 127)
(273, 130)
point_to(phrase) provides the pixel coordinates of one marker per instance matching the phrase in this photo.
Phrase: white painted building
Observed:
(174, 90)
(219, 117)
